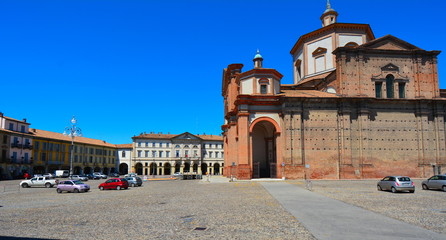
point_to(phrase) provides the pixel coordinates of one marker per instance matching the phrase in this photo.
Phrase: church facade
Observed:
(359, 107)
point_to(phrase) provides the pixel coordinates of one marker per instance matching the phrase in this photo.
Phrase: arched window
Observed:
(389, 85)
(351, 44)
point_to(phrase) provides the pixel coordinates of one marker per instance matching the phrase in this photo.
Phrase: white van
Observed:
(62, 173)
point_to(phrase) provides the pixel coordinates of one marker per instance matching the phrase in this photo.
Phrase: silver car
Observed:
(72, 186)
(78, 177)
(134, 181)
(396, 184)
(435, 182)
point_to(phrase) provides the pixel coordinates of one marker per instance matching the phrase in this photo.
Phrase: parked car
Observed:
(62, 173)
(39, 182)
(178, 175)
(131, 175)
(101, 175)
(134, 181)
(114, 183)
(435, 182)
(91, 176)
(396, 184)
(49, 175)
(113, 174)
(79, 177)
(72, 186)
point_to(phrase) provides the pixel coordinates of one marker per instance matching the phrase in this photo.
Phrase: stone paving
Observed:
(188, 209)
(195, 209)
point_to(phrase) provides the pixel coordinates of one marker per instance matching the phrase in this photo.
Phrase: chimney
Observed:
(24, 120)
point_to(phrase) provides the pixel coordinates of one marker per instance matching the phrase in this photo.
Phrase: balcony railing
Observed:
(16, 161)
(28, 146)
(16, 145)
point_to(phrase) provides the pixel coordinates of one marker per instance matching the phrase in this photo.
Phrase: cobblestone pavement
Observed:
(189, 209)
(424, 208)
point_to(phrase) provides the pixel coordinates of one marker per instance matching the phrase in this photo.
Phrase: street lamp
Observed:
(72, 132)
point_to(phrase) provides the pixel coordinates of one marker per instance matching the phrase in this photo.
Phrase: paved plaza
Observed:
(201, 209)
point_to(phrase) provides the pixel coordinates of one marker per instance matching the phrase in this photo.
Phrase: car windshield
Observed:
(77, 182)
(404, 179)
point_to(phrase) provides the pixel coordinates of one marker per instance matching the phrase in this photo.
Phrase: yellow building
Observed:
(51, 151)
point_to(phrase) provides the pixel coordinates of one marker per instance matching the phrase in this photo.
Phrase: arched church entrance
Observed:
(264, 161)
(123, 169)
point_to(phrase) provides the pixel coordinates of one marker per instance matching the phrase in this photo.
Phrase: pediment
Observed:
(389, 42)
(319, 50)
(390, 68)
(186, 136)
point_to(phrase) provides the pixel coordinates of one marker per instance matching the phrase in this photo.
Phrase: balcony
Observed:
(16, 145)
(17, 161)
(28, 146)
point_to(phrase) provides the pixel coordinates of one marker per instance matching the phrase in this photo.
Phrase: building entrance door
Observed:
(263, 150)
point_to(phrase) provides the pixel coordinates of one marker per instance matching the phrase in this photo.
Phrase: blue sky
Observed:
(126, 67)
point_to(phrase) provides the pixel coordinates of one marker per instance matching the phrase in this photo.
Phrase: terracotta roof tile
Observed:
(59, 136)
(308, 94)
(127, 145)
(15, 120)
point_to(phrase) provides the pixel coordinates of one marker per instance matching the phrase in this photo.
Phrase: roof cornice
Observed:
(332, 28)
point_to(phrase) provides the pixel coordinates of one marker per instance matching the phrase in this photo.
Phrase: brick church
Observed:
(359, 107)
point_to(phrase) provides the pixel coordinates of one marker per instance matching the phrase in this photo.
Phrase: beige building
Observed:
(51, 151)
(359, 107)
(165, 154)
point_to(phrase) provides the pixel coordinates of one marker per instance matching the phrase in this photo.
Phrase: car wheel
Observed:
(425, 187)
(133, 184)
(379, 188)
(444, 188)
(76, 190)
(393, 190)
(24, 185)
(47, 185)
(101, 188)
(118, 188)
(59, 190)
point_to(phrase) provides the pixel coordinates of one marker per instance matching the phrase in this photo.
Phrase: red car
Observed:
(114, 183)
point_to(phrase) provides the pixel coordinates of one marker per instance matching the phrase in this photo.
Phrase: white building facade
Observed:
(165, 154)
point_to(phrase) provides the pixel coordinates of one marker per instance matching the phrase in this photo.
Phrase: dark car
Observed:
(113, 175)
(91, 176)
(134, 181)
(114, 183)
(396, 184)
(435, 182)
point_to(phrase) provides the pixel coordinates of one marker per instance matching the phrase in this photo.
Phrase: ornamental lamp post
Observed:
(72, 132)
